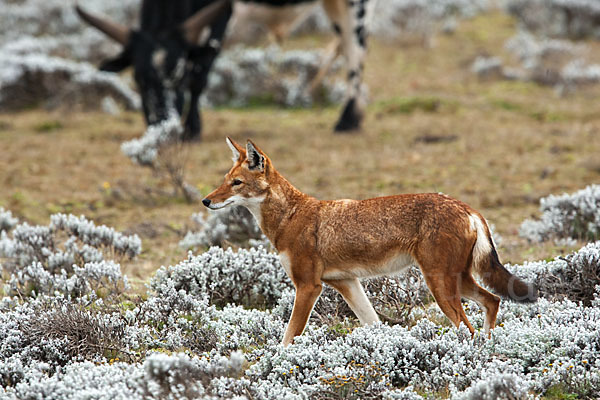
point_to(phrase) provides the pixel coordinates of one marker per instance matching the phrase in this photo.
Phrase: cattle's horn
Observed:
(192, 27)
(112, 29)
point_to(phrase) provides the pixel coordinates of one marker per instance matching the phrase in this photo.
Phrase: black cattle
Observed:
(166, 56)
(170, 57)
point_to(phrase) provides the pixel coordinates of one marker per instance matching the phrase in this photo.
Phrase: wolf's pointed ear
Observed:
(236, 149)
(256, 158)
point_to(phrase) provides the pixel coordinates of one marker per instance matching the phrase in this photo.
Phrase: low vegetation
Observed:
(210, 326)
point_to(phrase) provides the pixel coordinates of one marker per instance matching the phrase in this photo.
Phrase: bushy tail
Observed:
(503, 283)
(489, 268)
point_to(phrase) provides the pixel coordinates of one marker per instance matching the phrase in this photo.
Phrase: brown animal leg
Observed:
(331, 53)
(489, 302)
(306, 297)
(446, 293)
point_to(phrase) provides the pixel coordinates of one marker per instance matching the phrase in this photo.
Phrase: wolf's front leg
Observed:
(306, 297)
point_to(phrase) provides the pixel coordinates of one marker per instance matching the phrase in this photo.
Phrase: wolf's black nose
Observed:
(206, 202)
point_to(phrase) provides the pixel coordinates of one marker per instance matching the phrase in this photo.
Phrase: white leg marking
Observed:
(359, 303)
(487, 324)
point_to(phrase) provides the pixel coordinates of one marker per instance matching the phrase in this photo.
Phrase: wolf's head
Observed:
(246, 183)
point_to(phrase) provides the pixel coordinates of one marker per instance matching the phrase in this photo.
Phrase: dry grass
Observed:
(431, 126)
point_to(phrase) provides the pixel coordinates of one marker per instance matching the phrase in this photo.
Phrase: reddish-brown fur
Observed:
(338, 242)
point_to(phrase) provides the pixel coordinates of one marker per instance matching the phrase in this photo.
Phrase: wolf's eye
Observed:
(236, 182)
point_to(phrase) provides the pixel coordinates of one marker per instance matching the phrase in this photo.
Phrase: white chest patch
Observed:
(253, 205)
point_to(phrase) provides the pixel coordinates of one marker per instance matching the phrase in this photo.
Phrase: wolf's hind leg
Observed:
(354, 294)
(489, 302)
(446, 293)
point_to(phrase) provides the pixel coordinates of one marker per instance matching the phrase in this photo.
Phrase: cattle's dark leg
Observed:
(193, 122)
(348, 18)
(351, 117)
(202, 58)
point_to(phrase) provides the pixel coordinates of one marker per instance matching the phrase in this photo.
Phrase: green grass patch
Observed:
(341, 328)
(408, 105)
(269, 101)
(539, 115)
(48, 126)
(558, 392)
(506, 105)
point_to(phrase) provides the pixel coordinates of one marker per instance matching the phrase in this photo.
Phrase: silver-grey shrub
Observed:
(44, 53)
(243, 76)
(580, 73)
(160, 376)
(574, 276)
(102, 236)
(55, 18)
(537, 346)
(533, 348)
(252, 278)
(145, 150)
(180, 376)
(574, 19)
(543, 344)
(395, 19)
(161, 149)
(500, 386)
(7, 221)
(29, 78)
(43, 334)
(566, 216)
(86, 334)
(233, 225)
(553, 62)
(67, 257)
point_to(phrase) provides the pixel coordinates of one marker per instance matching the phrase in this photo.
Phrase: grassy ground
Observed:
(431, 126)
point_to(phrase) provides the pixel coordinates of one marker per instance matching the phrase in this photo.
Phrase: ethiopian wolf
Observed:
(340, 241)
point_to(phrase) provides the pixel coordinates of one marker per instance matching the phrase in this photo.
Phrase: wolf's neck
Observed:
(278, 207)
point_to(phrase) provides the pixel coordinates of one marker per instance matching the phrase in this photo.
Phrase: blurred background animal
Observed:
(177, 43)
(171, 59)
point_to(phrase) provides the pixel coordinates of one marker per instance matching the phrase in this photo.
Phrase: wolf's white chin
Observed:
(220, 206)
